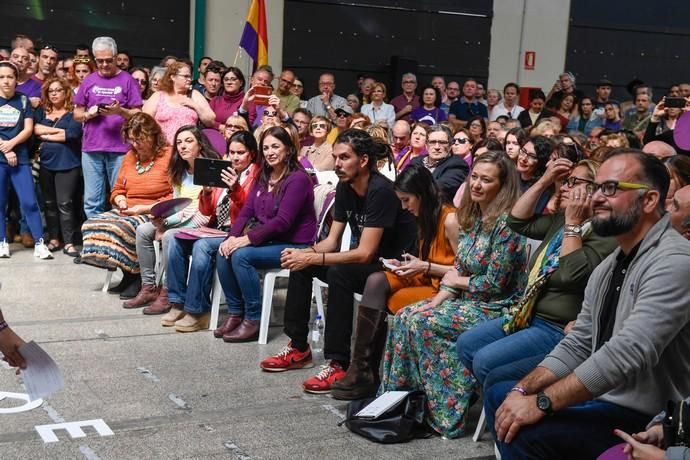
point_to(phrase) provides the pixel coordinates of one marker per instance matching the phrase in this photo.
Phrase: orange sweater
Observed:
(146, 188)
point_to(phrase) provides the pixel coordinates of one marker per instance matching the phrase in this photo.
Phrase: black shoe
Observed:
(127, 279)
(132, 289)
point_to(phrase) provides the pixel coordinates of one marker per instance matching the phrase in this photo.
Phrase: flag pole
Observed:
(237, 56)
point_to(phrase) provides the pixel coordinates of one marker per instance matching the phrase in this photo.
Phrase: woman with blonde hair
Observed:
(318, 156)
(487, 279)
(377, 110)
(176, 104)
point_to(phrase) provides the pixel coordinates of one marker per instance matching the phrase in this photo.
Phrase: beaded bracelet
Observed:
(3, 325)
(519, 390)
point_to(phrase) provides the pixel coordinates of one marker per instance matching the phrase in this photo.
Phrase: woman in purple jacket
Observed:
(279, 213)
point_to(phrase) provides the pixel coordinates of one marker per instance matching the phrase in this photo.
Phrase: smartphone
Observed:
(207, 171)
(262, 93)
(674, 102)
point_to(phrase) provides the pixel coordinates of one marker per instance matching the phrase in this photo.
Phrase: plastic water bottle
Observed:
(317, 338)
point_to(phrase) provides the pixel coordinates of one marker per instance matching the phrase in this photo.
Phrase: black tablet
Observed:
(207, 172)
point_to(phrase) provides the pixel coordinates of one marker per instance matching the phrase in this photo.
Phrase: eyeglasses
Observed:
(186, 76)
(326, 83)
(609, 187)
(437, 142)
(319, 125)
(235, 127)
(475, 125)
(230, 80)
(141, 81)
(407, 82)
(573, 180)
(295, 85)
(56, 90)
(287, 82)
(270, 113)
(104, 61)
(529, 155)
(460, 141)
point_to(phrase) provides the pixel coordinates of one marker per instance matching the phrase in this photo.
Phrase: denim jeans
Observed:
(194, 291)
(240, 279)
(581, 431)
(23, 183)
(492, 356)
(100, 173)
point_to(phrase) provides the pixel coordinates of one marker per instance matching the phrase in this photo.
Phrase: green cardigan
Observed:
(561, 298)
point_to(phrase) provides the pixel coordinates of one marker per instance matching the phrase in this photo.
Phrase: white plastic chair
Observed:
(327, 177)
(531, 248)
(269, 279)
(158, 268)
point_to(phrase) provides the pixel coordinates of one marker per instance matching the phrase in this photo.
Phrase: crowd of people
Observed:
(536, 256)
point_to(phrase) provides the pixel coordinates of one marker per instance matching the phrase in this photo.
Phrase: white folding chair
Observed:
(327, 177)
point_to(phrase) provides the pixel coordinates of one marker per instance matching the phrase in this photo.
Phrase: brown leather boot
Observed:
(230, 324)
(361, 379)
(146, 295)
(160, 305)
(247, 331)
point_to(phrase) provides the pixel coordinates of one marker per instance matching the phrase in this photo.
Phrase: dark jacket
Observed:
(448, 174)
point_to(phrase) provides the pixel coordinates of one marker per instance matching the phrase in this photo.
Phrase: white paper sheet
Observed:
(42, 377)
(381, 404)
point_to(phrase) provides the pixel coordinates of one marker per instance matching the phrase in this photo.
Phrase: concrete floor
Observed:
(165, 394)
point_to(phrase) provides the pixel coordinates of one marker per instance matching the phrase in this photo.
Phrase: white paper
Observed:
(381, 404)
(389, 265)
(42, 377)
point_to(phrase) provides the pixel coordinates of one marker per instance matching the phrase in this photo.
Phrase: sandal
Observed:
(70, 250)
(53, 245)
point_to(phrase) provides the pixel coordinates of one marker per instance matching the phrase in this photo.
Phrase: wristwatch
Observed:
(573, 228)
(544, 403)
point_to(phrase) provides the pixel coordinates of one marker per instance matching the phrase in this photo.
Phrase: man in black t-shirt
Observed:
(366, 203)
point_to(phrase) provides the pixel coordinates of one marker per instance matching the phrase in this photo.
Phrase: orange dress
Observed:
(408, 290)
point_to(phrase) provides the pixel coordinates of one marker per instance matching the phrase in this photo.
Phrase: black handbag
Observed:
(401, 423)
(677, 424)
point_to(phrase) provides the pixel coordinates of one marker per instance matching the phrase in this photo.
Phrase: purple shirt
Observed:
(102, 133)
(30, 87)
(291, 220)
(400, 102)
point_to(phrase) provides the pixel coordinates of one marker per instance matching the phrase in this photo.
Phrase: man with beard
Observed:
(366, 202)
(627, 353)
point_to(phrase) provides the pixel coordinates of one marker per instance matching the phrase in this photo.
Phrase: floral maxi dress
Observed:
(421, 353)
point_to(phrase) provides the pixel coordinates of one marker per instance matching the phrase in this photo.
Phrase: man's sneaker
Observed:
(4, 250)
(288, 358)
(321, 382)
(41, 250)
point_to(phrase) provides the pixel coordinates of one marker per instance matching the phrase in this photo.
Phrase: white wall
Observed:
(528, 25)
(225, 21)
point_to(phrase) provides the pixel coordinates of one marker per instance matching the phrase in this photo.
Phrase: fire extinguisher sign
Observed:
(530, 57)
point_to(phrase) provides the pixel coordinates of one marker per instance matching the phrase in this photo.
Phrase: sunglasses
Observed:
(51, 48)
(141, 81)
(342, 115)
(104, 61)
(319, 125)
(235, 127)
(460, 141)
(269, 113)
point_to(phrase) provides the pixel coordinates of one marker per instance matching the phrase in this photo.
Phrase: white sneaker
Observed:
(4, 250)
(41, 250)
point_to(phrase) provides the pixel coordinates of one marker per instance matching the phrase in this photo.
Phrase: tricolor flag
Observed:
(255, 36)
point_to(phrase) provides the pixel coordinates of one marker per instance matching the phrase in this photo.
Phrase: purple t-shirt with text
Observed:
(102, 133)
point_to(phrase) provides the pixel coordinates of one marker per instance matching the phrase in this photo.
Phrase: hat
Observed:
(604, 82)
(341, 111)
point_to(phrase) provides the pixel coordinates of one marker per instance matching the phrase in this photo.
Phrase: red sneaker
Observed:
(321, 382)
(288, 358)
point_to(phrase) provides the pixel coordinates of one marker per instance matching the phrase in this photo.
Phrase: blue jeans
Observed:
(580, 431)
(192, 292)
(23, 183)
(100, 173)
(492, 356)
(240, 279)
